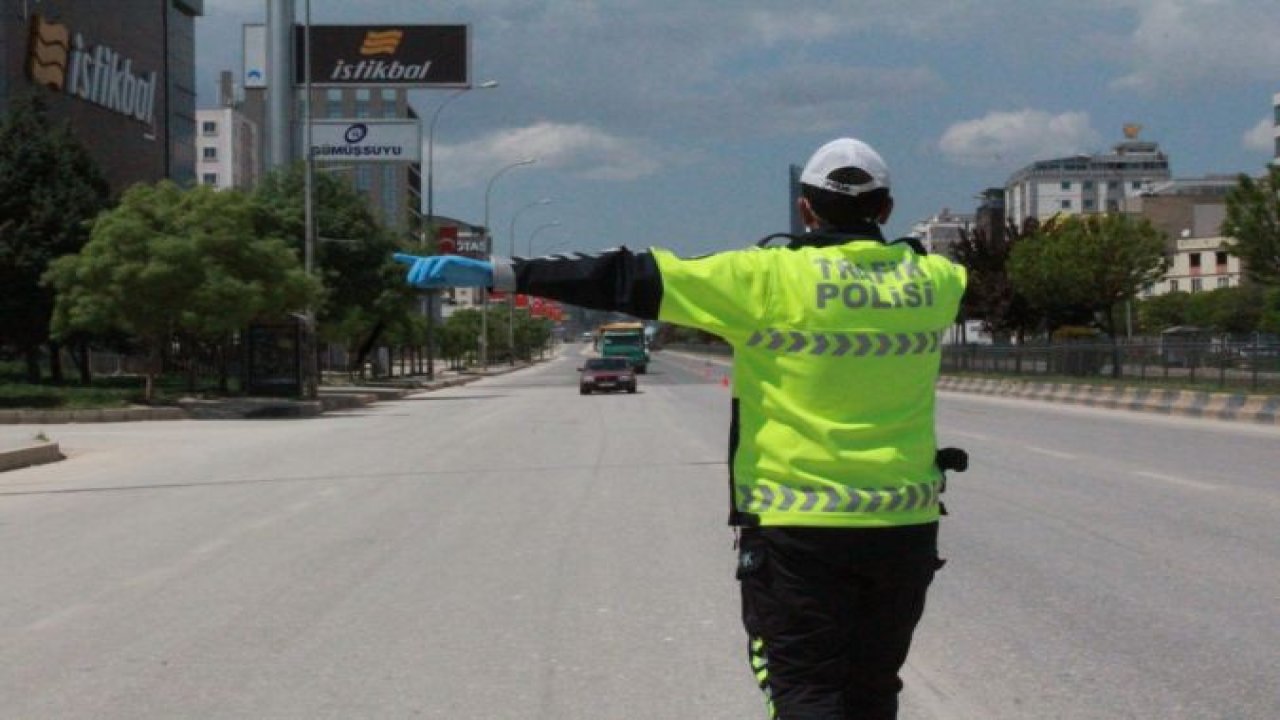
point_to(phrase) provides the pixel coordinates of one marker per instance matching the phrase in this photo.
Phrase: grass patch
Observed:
(48, 396)
(104, 392)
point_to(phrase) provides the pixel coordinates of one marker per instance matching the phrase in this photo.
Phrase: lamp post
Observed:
(488, 246)
(431, 141)
(429, 296)
(534, 234)
(311, 385)
(511, 300)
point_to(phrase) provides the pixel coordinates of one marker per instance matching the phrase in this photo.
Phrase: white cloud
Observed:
(1010, 139)
(581, 150)
(1260, 137)
(1183, 43)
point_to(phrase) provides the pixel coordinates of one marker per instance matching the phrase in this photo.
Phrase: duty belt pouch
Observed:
(752, 555)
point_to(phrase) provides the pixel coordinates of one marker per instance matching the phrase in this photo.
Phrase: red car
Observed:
(606, 375)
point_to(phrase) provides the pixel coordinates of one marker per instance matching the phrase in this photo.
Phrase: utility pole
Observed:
(280, 19)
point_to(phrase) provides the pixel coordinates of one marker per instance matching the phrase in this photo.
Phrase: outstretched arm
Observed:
(618, 279)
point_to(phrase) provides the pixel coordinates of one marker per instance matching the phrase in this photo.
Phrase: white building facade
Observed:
(1198, 265)
(940, 233)
(226, 149)
(1085, 184)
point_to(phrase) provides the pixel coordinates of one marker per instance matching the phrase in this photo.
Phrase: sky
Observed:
(672, 123)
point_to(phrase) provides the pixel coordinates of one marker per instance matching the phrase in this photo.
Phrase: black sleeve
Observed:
(617, 280)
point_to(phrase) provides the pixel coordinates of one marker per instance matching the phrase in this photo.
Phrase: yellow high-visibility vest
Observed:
(836, 351)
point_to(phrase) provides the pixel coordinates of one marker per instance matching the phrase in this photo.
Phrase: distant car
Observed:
(606, 375)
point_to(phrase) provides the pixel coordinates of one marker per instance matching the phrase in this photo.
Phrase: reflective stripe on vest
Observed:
(779, 498)
(854, 345)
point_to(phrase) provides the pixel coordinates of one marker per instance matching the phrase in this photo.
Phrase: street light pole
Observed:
(311, 385)
(429, 296)
(534, 234)
(511, 299)
(488, 246)
(431, 138)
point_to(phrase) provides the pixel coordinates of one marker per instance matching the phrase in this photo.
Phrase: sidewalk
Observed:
(22, 443)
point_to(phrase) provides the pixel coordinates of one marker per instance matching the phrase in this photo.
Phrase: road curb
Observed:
(1260, 409)
(59, 417)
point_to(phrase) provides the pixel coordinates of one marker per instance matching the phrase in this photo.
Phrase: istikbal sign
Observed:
(95, 73)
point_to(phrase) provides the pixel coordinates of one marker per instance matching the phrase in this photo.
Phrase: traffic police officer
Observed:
(833, 481)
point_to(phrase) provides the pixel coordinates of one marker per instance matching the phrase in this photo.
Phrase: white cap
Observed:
(845, 153)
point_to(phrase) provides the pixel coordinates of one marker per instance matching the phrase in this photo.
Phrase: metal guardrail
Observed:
(1215, 365)
(1243, 366)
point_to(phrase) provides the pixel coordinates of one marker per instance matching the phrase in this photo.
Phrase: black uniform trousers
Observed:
(830, 612)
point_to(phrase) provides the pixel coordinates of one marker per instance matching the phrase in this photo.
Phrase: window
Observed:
(1224, 282)
(364, 178)
(209, 127)
(1066, 184)
(1113, 185)
(209, 154)
(1136, 184)
(362, 102)
(1195, 261)
(209, 178)
(1088, 204)
(390, 198)
(1087, 185)
(1196, 285)
(1113, 206)
(1220, 258)
(1066, 205)
(1173, 286)
(333, 102)
(388, 100)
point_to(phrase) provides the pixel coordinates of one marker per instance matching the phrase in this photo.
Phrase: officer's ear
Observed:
(885, 211)
(807, 215)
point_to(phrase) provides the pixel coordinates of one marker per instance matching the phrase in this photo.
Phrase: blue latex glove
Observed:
(442, 271)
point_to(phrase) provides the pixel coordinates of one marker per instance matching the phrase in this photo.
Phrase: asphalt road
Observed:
(510, 549)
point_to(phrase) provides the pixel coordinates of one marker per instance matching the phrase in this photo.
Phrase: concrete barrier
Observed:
(26, 456)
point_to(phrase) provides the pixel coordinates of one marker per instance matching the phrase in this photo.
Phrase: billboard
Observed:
(63, 60)
(385, 55)
(366, 140)
(255, 56)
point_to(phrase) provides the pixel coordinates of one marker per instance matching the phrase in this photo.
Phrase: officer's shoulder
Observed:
(912, 242)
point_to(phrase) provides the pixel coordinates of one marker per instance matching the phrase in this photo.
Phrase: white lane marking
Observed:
(964, 433)
(1175, 480)
(1051, 453)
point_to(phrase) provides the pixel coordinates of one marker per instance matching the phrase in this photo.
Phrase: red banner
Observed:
(447, 239)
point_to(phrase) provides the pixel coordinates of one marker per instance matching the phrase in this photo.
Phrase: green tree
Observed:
(458, 336)
(49, 191)
(990, 295)
(1095, 262)
(1269, 320)
(1161, 312)
(365, 289)
(173, 264)
(1253, 220)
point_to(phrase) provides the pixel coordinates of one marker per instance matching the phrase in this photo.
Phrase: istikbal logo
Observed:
(97, 74)
(385, 42)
